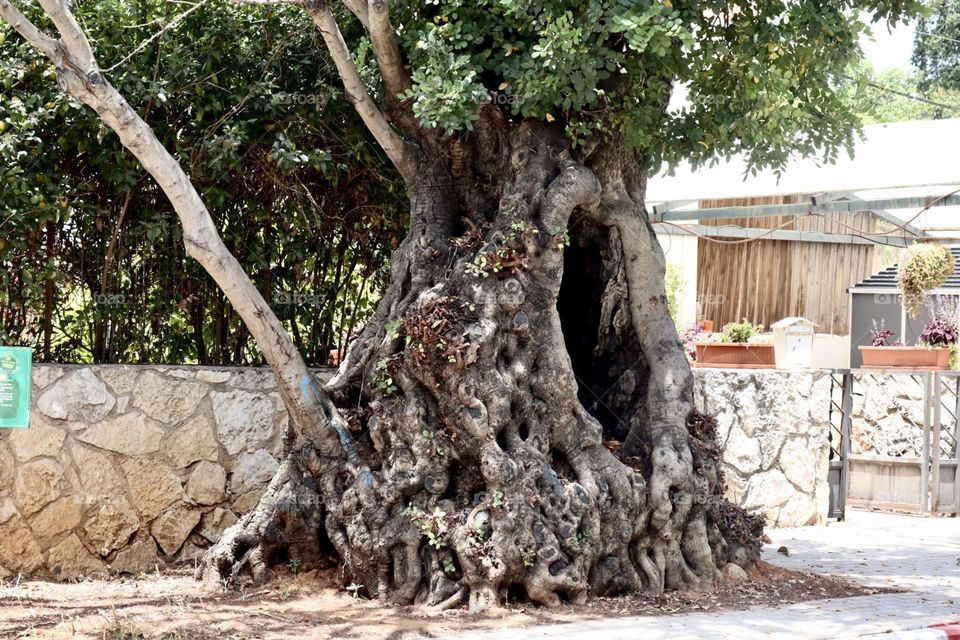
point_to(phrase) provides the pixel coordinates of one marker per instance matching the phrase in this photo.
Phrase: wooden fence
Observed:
(767, 280)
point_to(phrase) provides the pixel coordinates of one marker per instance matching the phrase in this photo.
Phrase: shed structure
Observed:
(769, 279)
(877, 297)
(763, 245)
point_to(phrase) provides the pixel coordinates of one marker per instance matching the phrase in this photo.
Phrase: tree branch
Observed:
(72, 37)
(39, 40)
(311, 412)
(392, 144)
(396, 79)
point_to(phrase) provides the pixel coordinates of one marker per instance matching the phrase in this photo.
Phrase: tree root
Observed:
(286, 523)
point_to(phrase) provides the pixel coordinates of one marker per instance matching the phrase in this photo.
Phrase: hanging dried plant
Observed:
(924, 267)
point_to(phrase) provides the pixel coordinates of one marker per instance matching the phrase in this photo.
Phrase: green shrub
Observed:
(740, 332)
(674, 283)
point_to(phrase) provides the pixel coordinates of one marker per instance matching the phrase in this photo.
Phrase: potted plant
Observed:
(933, 352)
(943, 328)
(738, 348)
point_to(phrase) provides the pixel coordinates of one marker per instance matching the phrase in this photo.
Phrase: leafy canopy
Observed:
(249, 104)
(885, 97)
(936, 46)
(759, 76)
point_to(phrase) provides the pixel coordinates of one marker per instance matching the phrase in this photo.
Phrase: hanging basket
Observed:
(923, 267)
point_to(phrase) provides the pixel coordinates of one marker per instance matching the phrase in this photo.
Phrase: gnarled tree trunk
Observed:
(524, 332)
(525, 329)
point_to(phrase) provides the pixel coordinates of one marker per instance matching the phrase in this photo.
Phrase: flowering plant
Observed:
(880, 335)
(942, 328)
(689, 339)
(692, 335)
(939, 333)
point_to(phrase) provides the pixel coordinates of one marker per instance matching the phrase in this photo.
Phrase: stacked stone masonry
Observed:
(126, 469)
(888, 414)
(774, 429)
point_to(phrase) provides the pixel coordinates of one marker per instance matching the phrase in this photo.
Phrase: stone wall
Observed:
(133, 467)
(887, 416)
(125, 468)
(774, 430)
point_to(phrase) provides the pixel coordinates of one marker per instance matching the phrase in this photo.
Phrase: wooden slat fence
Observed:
(767, 280)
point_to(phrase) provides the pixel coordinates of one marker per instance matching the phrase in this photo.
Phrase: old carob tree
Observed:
(464, 450)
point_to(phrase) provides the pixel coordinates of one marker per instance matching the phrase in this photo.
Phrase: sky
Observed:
(886, 50)
(889, 50)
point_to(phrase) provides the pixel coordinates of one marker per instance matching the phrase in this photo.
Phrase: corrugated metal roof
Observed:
(896, 154)
(887, 278)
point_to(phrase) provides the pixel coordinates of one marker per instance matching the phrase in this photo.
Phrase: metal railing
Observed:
(922, 474)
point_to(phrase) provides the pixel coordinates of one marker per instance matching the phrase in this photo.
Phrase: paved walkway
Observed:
(920, 554)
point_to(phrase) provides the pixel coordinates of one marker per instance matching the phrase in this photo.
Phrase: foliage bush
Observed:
(674, 283)
(923, 267)
(740, 332)
(92, 266)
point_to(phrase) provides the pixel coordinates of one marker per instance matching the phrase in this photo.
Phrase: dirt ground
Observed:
(305, 606)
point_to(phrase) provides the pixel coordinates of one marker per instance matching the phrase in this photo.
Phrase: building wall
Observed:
(681, 252)
(767, 280)
(128, 468)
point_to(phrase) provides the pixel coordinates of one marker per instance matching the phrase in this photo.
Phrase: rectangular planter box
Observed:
(733, 355)
(905, 357)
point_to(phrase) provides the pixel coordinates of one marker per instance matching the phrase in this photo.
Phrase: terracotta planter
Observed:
(733, 355)
(905, 357)
(707, 325)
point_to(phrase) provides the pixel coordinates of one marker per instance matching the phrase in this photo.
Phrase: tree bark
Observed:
(480, 465)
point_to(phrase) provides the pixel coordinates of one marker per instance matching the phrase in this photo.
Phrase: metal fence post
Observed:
(846, 419)
(925, 448)
(935, 443)
(955, 454)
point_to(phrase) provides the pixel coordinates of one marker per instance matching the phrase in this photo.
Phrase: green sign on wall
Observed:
(15, 383)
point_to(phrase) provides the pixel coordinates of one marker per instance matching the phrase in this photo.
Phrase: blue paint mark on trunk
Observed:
(312, 394)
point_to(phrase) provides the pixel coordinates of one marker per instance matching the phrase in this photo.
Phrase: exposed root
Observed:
(286, 523)
(452, 602)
